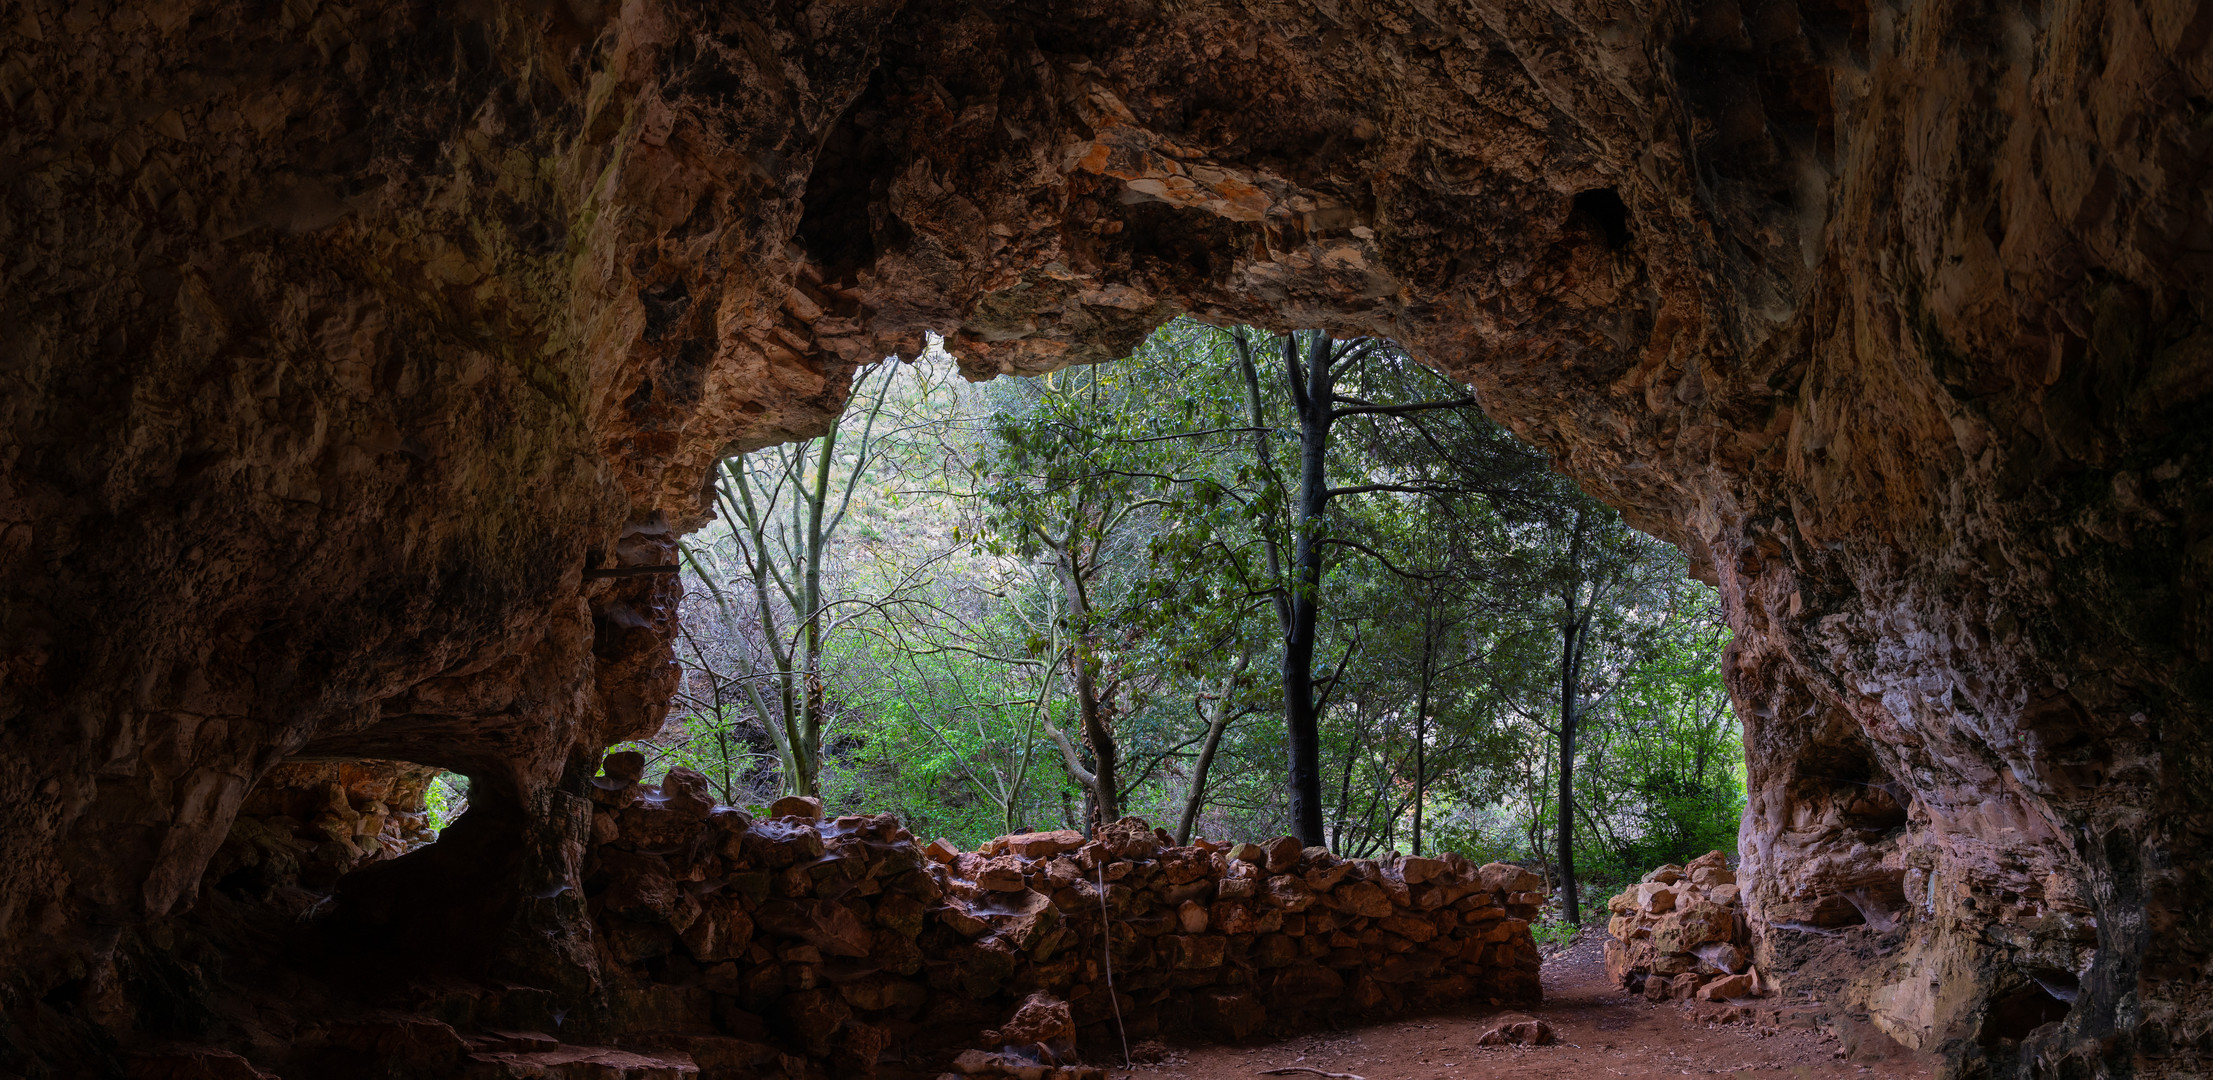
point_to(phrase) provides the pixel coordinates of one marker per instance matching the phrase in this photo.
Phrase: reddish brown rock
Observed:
(1416, 870)
(824, 924)
(1519, 1033)
(1366, 899)
(1044, 845)
(1283, 854)
(391, 376)
(1129, 838)
(802, 807)
(1001, 874)
(1727, 987)
(1508, 878)
(1287, 893)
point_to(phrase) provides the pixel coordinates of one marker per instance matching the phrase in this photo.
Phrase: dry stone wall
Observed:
(1681, 933)
(794, 942)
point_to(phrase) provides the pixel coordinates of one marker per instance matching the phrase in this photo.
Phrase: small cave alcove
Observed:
(309, 823)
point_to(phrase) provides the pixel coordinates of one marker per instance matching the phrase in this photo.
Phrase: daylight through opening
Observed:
(1239, 585)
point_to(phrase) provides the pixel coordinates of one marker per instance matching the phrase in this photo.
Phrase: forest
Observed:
(1238, 584)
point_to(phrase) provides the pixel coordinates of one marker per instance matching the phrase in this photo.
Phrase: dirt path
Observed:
(1603, 1034)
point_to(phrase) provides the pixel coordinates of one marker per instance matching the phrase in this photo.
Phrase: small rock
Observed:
(1726, 987)
(798, 806)
(1523, 1033)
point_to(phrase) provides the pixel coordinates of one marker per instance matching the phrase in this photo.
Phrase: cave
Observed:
(365, 363)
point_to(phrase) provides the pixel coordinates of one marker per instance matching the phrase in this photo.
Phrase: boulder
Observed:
(1529, 1032)
(1191, 917)
(1721, 957)
(825, 924)
(1366, 899)
(623, 767)
(1685, 930)
(685, 791)
(1230, 1014)
(1002, 873)
(1287, 893)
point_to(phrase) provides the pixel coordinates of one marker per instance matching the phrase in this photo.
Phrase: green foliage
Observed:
(446, 798)
(1553, 931)
(1114, 525)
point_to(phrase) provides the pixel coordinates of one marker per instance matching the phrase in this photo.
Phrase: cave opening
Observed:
(2014, 1016)
(308, 824)
(1031, 581)
(276, 456)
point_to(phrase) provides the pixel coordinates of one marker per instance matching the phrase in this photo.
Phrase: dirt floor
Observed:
(1602, 1032)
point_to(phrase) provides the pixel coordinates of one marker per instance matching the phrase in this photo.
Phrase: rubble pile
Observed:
(1681, 933)
(794, 942)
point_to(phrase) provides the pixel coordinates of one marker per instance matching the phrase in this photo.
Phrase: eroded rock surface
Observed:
(364, 361)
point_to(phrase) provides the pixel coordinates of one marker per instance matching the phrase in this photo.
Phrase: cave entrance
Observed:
(1051, 603)
(308, 823)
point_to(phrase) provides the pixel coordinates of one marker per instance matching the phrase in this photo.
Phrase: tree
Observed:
(1035, 575)
(1613, 595)
(1115, 482)
(1319, 405)
(785, 505)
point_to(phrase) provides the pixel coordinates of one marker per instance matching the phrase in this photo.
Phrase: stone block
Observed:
(1191, 917)
(802, 807)
(1228, 1013)
(1508, 878)
(1044, 845)
(1416, 869)
(1363, 898)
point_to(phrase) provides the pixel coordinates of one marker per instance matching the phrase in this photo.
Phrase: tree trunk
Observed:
(1216, 725)
(1421, 713)
(1098, 736)
(1301, 713)
(1574, 626)
(1568, 901)
(1092, 711)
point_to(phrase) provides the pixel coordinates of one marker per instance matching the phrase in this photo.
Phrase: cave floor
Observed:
(1602, 1033)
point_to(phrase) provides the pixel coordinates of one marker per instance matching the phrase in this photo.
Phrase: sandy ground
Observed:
(1603, 1033)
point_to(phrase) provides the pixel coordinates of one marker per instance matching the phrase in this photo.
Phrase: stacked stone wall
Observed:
(797, 945)
(1681, 933)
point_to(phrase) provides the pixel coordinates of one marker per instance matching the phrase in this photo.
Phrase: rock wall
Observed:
(365, 360)
(1681, 932)
(793, 943)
